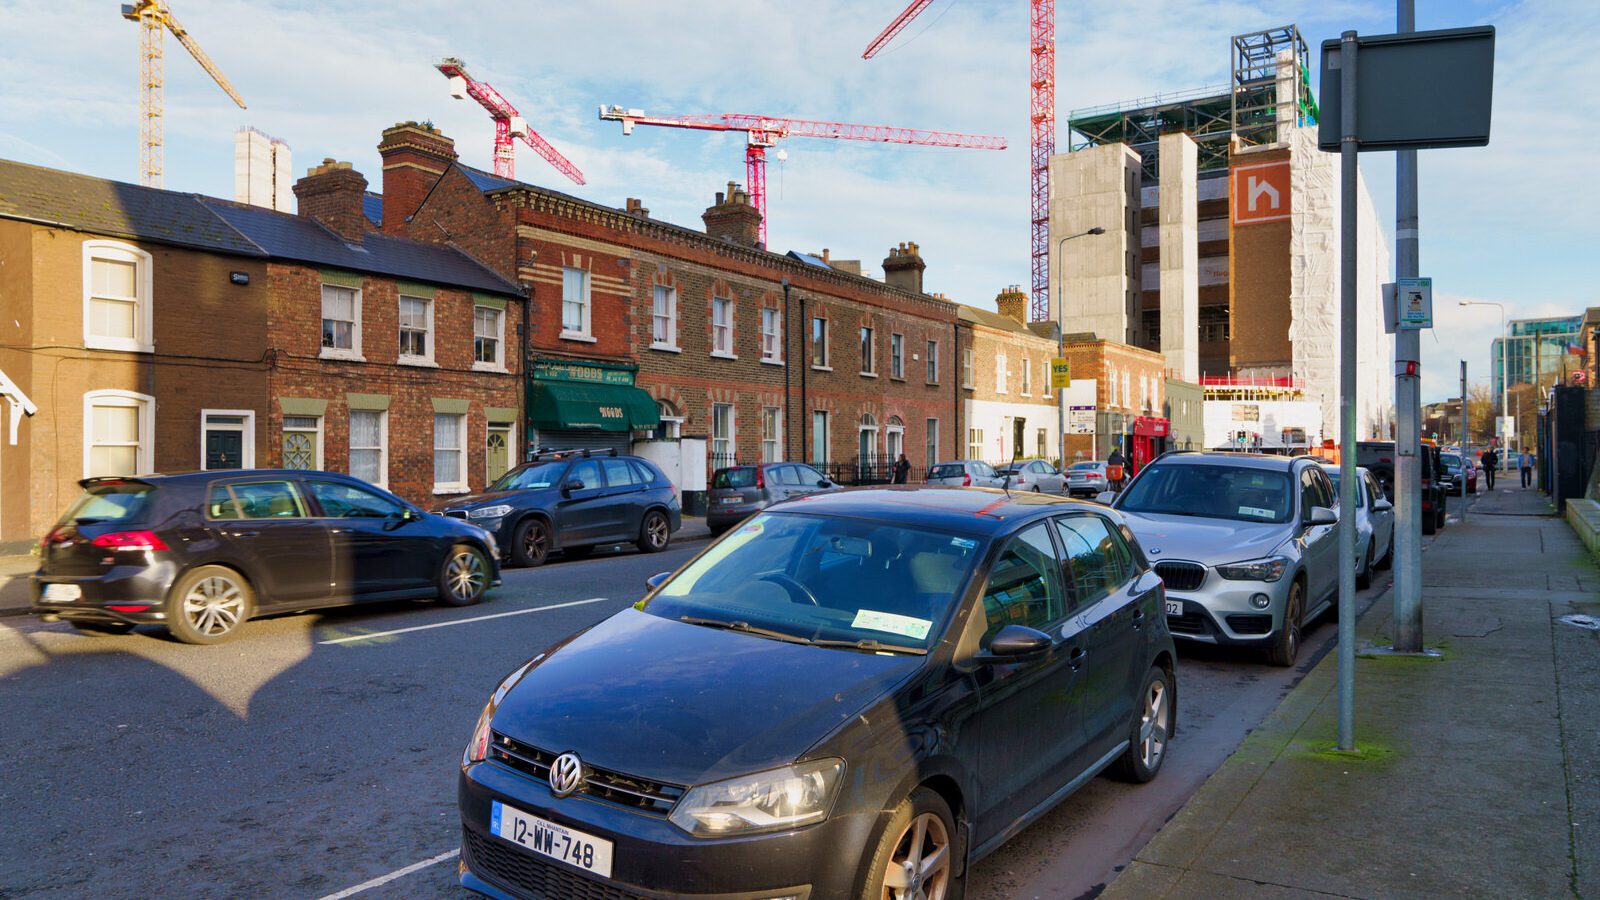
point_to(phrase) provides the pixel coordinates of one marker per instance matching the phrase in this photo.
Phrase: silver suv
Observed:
(1245, 544)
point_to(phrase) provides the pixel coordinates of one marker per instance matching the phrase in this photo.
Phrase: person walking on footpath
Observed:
(1491, 459)
(1115, 469)
(902, 469)
(1525, 463)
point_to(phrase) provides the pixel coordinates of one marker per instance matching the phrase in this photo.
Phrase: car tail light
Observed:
(761, 478)
(130, 540)
(966, 480)
(129, 609)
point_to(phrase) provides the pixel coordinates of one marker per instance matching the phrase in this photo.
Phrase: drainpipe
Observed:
(955, 373)
(788, 433)
(805, 410)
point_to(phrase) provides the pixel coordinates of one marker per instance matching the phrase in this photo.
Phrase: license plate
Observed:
(731, 500)
(62, 593)
(558, 842)
(1174, 607)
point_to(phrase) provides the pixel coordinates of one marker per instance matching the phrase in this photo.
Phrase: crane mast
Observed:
(155, 18)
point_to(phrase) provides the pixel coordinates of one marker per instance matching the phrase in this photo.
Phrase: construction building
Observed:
(263, 173)
(1221, 244)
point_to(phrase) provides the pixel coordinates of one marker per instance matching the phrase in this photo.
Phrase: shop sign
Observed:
(566, 370)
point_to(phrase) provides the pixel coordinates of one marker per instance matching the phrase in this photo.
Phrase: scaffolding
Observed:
(1254, 86)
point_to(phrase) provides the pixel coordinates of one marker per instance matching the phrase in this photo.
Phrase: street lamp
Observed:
(1061, 342)
(1505, 355)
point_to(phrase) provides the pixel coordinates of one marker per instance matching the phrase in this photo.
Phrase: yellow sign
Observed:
(1060, 373)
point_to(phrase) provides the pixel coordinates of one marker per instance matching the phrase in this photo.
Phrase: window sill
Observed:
(969, 387)
(575, 336)
(723, 354)
(346, 355)
(817, 368)
(869, 374)
(90, 343)
(489, 367)
(772, 362)
(897, 378)
(667, 348)
(418, 361)
(444, 489)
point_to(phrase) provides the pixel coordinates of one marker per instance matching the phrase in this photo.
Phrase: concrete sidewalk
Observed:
(1480, 772)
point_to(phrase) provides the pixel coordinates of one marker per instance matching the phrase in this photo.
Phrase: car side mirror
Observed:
(654, 581)
(1383, 506)
(1105, 497)
(1321, 515)
(574, 484)
(824, 483)
(1015, 643)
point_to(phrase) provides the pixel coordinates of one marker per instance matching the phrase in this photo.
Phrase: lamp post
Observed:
(1061, 339)
(1505, 355)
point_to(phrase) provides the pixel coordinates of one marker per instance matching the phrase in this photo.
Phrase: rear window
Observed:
(734, 478)
(110, 503)
(953, 470)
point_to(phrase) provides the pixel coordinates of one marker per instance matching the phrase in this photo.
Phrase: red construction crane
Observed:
(508, 124)
(1041, 115)
(762, 132)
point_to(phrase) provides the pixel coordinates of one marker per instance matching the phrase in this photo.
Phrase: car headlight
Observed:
(478, 747)
(767, 801)
(1255, 570)
(488, 512)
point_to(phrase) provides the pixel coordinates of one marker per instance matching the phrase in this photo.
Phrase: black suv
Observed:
(1378, 458)
(204, 551)
(573, 501)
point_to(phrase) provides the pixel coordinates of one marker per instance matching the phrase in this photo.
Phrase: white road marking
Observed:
(397, 873)
(515, 612)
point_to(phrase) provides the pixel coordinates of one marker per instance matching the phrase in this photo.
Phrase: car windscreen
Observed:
(947, 470)
(1452, 462)
(1085, 466)
(124, 502)
(535, 475)
(812, 577)
(1215, 491)
(734, 478)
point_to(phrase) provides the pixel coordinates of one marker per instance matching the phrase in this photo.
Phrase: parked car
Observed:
(737, 492)
(1244, 542)
(573, 501)
(1374, 524)
(1035, 475)
(1379, 457)
(1087, 478)
(202, 552)
(858, 693)
(965, 473)
(1457, 469)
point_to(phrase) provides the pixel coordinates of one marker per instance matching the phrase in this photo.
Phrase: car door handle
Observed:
(1138, 619)
(1075, 658)
(245, 533)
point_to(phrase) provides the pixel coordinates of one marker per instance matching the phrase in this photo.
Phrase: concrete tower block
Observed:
(1180, 255)
(1097, 187)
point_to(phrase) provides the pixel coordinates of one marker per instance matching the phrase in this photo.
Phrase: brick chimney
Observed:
(332, 194)
(903, 267)
(733, 217)
(636, 207)
(414, 155)
(1013, 303)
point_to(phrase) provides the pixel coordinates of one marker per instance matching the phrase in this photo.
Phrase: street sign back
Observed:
(1420, 91)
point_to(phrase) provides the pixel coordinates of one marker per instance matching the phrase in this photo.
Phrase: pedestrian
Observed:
(902, 470)
(1490, 459)
(1525, 463)
(1114, 469)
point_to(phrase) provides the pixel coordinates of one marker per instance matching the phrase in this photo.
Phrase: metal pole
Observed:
(1466, 441)
(1505, 373)
(1408, 410)
(1348, 173)
(1061, 348)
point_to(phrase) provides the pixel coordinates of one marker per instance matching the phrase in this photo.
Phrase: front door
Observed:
(224, 449)
(497, 452)
(1019, 437)
(376, 547)
(268, 526)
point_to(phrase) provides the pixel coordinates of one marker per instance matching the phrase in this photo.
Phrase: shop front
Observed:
(586, 404)
(1149, 439)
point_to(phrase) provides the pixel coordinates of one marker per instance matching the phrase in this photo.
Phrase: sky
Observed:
(1514, 222)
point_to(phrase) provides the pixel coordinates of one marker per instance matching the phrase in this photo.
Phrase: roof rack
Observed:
(545, 454)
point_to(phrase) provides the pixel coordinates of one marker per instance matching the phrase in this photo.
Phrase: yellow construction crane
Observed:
(153, 16)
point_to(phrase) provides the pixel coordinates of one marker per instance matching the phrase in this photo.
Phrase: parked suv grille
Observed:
(456, 513)
(1252, 623)
(654, 797)
(1181, 576)
(531, 876)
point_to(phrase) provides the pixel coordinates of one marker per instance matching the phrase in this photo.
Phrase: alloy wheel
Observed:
(464, 575)
(656, 530)
(214, 605)
(919, 867)
(536, 541)
(1153, 725)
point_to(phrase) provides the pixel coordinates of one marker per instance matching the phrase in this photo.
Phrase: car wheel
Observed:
(915, 855)
(1388, 555)
(208, 604)
(1036, 489)
(464, 576)
(1287, 645)
(101, 629)
(654, 532)
(1142, 760)
(531, 543)
(1364, 577)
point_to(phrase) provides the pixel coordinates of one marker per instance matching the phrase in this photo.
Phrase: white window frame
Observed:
(933, 362)
(353, 352)
(510, 428)
(586, 313)
(772, 447)
(827, 364)
(1000, 373)
(823, 432)
(771, 340)
(145, 450)
(975, 443)
(451, 487)
(722, 334)
(867, 337)
(969, 367)
(428, 342)
(729, 440)
(499, 364)
(320, 431)
(143, 340)
(383, 445)
(1027, 377)
(930, 441)
(671, 420)
(671, 318)
(247, 431)
(897, 356)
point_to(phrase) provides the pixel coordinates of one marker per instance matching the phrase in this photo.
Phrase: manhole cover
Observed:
(1581, 621)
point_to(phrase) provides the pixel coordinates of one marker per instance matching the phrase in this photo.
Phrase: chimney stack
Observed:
(636, 207)
(903, 267)
(1013, 303)
(415, 155)
(733, 217)
(332, 195)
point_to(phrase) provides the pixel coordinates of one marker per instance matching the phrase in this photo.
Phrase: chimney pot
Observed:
(332, 194)
(903, 268)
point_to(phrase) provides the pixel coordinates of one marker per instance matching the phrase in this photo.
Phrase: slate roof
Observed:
(372, 207)
(809, 259)
(117, 209)
(483, 181)
(991, 319)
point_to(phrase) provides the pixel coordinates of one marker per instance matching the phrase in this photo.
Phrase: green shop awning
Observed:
(570, 405)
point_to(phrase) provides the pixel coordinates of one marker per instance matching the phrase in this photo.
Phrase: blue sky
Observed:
(1513, 222)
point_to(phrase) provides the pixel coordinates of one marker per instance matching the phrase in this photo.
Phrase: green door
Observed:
(498, 452)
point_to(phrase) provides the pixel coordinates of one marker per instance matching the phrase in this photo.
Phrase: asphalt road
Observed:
(317, 753)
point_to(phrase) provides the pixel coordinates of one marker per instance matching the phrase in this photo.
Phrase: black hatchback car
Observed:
(573, 501)
(853, 694)
(204, 551)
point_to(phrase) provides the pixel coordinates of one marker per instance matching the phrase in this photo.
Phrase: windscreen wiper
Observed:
(868, 645)
(746, 628)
